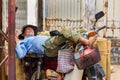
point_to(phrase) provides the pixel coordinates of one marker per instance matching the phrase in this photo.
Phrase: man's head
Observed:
(28, 30)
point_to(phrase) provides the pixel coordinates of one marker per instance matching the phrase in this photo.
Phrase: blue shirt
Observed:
(31, 44)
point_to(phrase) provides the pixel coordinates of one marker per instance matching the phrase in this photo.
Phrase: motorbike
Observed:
(95, 71)
(34, 67)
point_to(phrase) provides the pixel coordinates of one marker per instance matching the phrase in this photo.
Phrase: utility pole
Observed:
(11, 40)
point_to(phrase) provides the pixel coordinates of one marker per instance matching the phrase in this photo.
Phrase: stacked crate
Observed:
(104, 48)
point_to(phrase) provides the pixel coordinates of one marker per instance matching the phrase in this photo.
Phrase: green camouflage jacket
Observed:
(53, 44)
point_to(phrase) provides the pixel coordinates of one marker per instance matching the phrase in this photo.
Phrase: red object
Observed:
(49, 64)
(86, 52)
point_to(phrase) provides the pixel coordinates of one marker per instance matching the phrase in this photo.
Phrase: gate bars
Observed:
(60, 13)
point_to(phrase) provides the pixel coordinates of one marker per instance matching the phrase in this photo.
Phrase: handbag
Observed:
(64, 61)
(86, 57)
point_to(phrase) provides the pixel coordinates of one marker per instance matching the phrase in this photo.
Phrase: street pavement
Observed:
(115, 75)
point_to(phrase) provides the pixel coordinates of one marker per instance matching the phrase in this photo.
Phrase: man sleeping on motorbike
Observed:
(47, 45)
(27, 41)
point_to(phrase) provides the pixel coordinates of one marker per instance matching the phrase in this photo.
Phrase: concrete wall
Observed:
(32, 12)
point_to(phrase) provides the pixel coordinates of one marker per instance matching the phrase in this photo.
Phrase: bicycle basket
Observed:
(87, 57)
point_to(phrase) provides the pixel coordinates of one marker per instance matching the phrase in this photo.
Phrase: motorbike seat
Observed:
(34, 55)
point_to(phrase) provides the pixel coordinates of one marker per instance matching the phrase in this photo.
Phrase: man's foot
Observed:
(52, 75)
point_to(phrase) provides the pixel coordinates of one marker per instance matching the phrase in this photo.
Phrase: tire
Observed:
(100, 77)
(33, 75)
(100, 72)
(94, 72)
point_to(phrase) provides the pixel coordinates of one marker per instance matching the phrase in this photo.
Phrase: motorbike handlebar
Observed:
(100, 28)
(94, 32)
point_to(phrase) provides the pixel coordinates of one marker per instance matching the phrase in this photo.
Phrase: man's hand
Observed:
(88, 42)
(92, 41)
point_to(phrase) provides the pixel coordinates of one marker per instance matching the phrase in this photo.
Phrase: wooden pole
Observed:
(11, 40)
(40, 15)
(106, 18)
(2, 67)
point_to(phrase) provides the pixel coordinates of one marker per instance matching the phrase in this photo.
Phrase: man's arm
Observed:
(20, 47)
(21, 50)
(77, 37)
(89, 42)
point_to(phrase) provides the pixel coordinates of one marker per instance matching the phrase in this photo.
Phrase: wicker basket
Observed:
(87, 57)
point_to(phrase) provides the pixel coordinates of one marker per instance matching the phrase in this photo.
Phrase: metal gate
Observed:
(71, 13)
(79, 13)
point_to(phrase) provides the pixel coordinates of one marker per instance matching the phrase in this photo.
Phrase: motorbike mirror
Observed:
(99, 15)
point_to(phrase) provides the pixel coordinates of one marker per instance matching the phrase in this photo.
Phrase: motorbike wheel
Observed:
(33, 75)
(100, 77)
(94, 72)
